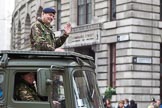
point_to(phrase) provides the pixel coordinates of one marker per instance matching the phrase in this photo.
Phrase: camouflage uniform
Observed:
(26, 92)
(43, 39)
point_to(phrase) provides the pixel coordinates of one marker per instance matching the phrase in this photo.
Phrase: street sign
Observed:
(142, 60)
(124, 37)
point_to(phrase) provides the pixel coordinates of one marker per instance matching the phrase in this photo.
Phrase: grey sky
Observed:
(6, 7)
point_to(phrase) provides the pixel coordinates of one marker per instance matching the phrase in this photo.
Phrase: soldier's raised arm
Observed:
(65, 33)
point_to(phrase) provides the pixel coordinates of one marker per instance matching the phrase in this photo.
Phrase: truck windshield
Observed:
(86, 91)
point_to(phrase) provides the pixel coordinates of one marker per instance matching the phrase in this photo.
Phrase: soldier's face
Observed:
(48, 17)
(30, 77)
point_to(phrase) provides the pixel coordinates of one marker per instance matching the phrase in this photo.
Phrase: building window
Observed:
(84, 11)
(112, 10)
(112, 65)
(160, 10)
(58, 14)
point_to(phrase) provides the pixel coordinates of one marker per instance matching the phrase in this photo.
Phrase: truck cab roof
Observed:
(6, 55)
(43, 53)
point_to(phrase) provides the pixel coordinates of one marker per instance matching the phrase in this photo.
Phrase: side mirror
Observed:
(43, 80)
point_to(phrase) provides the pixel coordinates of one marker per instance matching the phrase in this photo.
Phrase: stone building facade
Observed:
(123, 36)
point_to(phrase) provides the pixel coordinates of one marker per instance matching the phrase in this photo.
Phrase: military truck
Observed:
(66, 77)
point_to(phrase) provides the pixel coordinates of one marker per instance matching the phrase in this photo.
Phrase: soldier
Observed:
(42, 37)
(25, 90)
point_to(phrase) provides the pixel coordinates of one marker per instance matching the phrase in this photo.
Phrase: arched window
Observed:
(13, 43)
(18, 36)
(39, 12)
(27, 32)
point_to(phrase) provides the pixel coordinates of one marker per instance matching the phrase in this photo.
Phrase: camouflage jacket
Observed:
(26, 92)
(43, 39)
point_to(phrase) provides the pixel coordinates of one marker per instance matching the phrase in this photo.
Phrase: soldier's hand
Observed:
(56, 104)
(67, 29)
(59, 50)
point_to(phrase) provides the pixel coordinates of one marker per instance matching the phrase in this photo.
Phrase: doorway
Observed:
(86, 50)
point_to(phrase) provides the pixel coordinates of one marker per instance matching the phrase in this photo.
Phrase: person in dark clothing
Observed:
(126, 103)
(132, 104)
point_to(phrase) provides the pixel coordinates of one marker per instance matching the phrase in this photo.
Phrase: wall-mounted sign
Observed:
(142, 60)
(124, 37)
(83, 38)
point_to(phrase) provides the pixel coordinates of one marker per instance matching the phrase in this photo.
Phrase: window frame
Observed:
(16, 72)
(24, 104)
(88, 13)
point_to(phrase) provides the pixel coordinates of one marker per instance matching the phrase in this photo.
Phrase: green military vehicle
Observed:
(66, 77)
